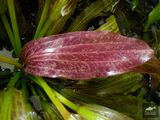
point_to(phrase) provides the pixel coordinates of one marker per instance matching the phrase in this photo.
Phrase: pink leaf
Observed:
(84, 55)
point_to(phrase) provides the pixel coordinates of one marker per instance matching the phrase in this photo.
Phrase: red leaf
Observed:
(84, 55)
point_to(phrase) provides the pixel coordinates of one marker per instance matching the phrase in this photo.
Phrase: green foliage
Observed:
(12, 103)
(153, 16)
(49, 111)
(114, 92)
(12, 31)
(56, 17)
(17, 41)
(92, 11)
(9, 55)
(110, 25)
(134, 4)
(85, 99)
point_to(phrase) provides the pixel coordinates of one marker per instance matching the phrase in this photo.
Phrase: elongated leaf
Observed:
(128, 104)
(84, 55)
(49, 111)
(107, 112)
(8, 54)
(58, 14)
(154, 16)
(134, 4)
(92, 11)
(17, 107)
(66, 12)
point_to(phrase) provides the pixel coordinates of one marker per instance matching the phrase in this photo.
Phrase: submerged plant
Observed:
(75, 75)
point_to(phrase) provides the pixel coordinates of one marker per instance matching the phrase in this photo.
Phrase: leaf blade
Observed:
(122, 54)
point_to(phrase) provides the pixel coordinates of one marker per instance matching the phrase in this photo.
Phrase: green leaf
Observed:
(58, 25)
(8, 30)
(50, 112)
(6, 102)
(119, 84)
(8, 54)
(122, 103)
(110, 25)
(52, 95)
(114, 92)
(14, 107)
(6, 105)
(12, 14)
(154, 16)
(58, 14)
(134, 4)
(92, 11)
(43, 16)
(107, 112)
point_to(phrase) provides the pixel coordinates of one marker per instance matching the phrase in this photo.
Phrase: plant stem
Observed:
(66, 101)
(65, 114)
(33, 91)
(24, 90)
(42, 19)
(45, 28)
(8, 29)
(10, 61)
(12, 14)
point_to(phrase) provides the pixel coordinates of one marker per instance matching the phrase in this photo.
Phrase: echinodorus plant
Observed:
(79, 59)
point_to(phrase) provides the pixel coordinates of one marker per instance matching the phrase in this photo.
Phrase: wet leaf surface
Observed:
(84, 55)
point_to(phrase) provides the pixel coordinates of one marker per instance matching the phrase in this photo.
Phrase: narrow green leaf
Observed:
(14, 79)
(90, 12)
(90, 115)
(43, 18)
(6, 103)
(154, 16)
(106, 112)
(11, 8)
(134, 4)
(25, 107)
(64, 112)
(58, 25)
(60, 9)
(10, 61)
(8, 30)
(50, 112)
